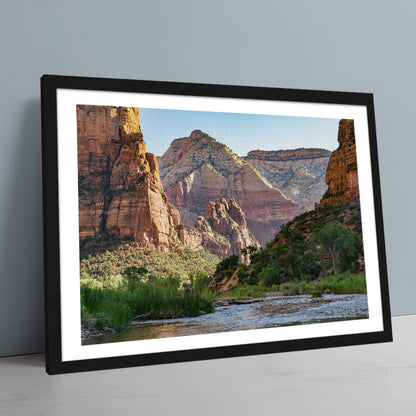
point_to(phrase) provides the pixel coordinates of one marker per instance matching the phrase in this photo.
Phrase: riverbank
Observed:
(109, 310)
(288, 304)
(237, 315)
(88, 330)
(94, 327)
(339, 284)
(143, 300)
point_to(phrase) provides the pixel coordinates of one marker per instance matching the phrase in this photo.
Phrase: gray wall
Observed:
(366, 46)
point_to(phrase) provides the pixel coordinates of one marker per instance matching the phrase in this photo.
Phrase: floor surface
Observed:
(378, 379)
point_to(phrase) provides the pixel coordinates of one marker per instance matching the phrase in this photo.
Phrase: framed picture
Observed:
(191, 221)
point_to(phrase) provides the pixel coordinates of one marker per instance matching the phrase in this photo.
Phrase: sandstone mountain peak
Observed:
(120, 191)
(201, 169)
(196, 134)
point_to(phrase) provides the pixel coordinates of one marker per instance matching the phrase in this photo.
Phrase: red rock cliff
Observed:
(223, 231)
(342, 173)
(120, 191)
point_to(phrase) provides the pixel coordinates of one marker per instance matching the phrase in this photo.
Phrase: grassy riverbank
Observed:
(151, 299)
(170, 298)
(338, 285)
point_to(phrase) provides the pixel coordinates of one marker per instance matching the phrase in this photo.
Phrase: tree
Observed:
(242, 273)
(250, 250)
(294, 261)
(309, 267)
(342, 245)
(133, 276)
(226, 267)
(271, 275)
(291, 235)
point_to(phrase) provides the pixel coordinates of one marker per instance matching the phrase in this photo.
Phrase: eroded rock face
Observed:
(120, 191)
(223, 231)
(342, 173)
(197, 169)
(298, 173)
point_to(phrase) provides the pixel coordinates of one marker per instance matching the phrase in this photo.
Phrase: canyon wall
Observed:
(197, 169)
(298, 173)
(120, 191)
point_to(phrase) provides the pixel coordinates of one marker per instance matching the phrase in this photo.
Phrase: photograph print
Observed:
(200, 221)
(253, 222)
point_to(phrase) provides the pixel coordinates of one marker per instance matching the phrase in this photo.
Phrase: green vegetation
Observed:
(343, 246)
(337, 284)
(105, 261)
(142, 296)
(347, 215)
(226, 267)
(251, 291)
(290, 288)
(121, 281)
(317, 252)
(281, 263)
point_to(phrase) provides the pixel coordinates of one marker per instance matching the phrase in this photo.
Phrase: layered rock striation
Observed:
(120, 191)
(298, 173)
(223, 231)
(197, 169)
(342, 171)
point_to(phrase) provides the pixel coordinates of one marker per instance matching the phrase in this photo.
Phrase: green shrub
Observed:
(229, 263)
(106, 266)
(242, 273)
(99, 324)
(91, 284)
(113, 282)
(271, 275)
(255, 291)
(120, 314)
(132, 276)
(151, 299)
(289, 289)
(338, 284)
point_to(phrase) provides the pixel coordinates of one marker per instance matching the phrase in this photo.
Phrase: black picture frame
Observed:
(51, 85)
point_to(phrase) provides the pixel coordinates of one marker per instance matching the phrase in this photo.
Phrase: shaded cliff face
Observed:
(120, 191)
(198, 169)
(223, 231)
(342, 173)
(298, 173)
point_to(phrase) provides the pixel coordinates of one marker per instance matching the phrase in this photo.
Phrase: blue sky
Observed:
(240, 132)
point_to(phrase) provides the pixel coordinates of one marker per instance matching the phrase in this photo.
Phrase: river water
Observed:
(270, 312)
